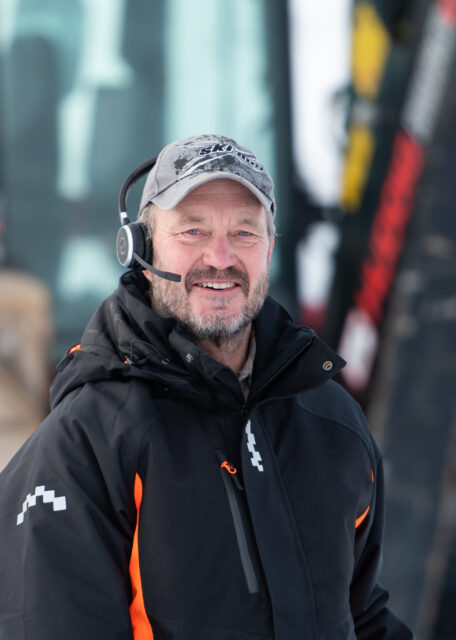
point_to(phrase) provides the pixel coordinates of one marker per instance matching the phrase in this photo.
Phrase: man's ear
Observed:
(147, 274)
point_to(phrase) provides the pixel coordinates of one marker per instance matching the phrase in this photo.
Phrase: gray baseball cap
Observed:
(190, 162)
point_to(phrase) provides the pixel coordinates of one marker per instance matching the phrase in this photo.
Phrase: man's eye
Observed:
(193, 232)
(245, 233)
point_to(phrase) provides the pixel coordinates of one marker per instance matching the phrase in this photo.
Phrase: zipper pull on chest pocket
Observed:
(230, 469)
(233, 488)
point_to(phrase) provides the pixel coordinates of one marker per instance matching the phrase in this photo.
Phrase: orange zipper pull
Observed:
(229, 467)
(225, 465)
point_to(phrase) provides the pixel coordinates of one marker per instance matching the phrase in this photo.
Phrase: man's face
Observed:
(217, 239)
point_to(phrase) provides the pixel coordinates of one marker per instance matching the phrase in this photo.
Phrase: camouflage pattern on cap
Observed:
(184, 165)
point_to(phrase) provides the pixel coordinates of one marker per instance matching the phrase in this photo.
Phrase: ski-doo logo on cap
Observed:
(229, 148)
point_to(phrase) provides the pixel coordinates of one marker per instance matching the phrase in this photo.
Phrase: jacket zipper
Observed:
(232, 486)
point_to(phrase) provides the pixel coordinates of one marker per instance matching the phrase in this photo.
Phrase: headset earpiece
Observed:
(134, 247)
(132, 239)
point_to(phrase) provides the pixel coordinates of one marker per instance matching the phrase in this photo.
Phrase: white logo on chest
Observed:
(256, 458)
(58, 504)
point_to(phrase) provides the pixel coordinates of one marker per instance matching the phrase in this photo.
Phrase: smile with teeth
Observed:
(217, 285)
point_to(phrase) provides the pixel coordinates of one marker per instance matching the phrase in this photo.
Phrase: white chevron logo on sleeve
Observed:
(58, 504)
(256, 458)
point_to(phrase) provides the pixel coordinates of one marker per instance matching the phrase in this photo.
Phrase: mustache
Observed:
(211, 273)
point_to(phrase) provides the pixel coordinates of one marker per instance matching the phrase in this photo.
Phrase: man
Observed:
(200, 475)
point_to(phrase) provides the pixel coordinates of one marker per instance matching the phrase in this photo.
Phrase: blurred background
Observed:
(351, 105)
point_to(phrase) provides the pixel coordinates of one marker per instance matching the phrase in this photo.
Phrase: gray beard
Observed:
(217, 330)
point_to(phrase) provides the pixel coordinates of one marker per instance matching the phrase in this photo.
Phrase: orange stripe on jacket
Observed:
(139, 620)
(361, 518)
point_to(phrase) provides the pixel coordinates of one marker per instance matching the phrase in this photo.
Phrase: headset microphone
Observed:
(134, 249)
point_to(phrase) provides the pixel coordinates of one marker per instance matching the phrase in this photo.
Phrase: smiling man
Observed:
(220, 238)
(200, 475)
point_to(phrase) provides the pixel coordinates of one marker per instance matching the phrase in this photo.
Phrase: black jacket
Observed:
(155, 502)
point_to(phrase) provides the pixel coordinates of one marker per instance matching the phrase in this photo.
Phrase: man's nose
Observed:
(218, 253)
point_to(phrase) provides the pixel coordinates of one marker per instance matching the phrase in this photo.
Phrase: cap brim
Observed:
(176, 193)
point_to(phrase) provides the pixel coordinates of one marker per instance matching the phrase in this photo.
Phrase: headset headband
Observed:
(134, 176)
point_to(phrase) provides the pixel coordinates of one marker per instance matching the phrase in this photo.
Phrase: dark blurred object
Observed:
(413, 405)
(408, 107)
(30, 146)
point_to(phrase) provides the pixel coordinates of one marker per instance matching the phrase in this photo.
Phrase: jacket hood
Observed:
(126, 339)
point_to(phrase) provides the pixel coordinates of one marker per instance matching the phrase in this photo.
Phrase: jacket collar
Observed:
(280, 345)
(125, 329)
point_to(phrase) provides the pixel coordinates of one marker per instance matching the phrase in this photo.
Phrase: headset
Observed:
(134, 248)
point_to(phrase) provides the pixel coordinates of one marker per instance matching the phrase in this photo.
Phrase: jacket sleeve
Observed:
(368, 599)
(67, 519)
